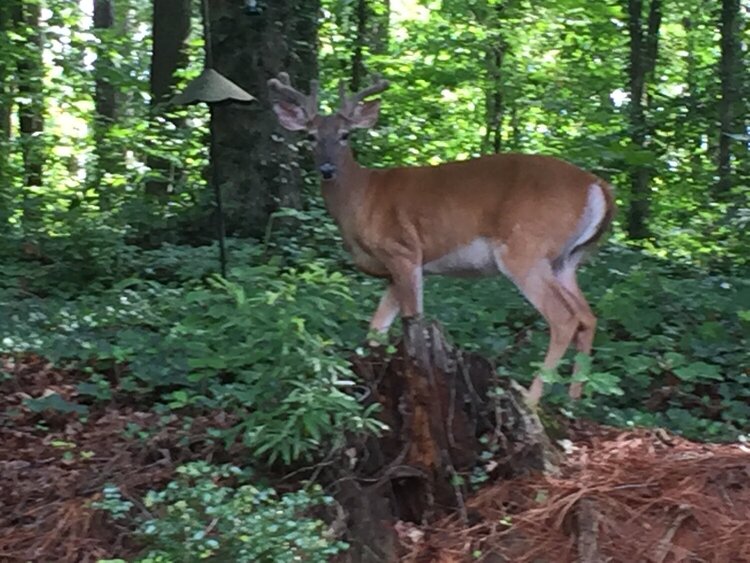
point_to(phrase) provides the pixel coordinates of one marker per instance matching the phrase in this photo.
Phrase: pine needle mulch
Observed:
(633, 496)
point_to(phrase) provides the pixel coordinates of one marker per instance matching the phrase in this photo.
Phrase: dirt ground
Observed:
(619, 496)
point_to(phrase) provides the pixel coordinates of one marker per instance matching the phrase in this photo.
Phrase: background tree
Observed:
(6, 92)
(30, 103)
(731, 121)
(105, 99)
(171, 30)
(370, 35)
(644, 48)
(495, 53)
(258, 164)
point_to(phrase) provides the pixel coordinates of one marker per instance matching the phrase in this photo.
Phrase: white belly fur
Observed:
(474, 259)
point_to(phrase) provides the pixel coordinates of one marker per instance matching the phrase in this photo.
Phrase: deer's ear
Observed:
(291, 116)
(365, 114)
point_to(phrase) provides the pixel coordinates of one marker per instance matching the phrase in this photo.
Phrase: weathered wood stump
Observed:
(445, 408)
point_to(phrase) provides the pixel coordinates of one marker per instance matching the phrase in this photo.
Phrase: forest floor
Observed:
(620, 496)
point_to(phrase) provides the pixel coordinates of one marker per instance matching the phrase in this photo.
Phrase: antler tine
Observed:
(348, 103)
(376, 88)
(283, 86)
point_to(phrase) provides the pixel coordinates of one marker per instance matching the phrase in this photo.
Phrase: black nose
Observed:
(327, 170)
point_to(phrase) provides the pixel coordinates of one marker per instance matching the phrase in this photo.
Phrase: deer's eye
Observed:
(344, 135)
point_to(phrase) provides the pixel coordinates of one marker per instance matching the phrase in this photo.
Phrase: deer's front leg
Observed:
(407, 285)
(386, 312)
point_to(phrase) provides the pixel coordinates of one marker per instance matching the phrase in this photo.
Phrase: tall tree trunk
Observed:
(105, 101)
(30, 69)
(729, 105)
(6, 71)
(493, 138)
(358, 65)
(171, 29)
(495, 52)
(6, 108)
(693, 126)
(371, 35)
(643, 52)
(258, 169)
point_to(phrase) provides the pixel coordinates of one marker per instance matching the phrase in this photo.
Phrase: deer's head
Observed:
(328, 133)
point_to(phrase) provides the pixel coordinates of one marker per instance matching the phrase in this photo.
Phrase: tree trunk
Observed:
(171, 30)
(6, 108)
(6, 96)
(495, 52)
(444, 418)
(31, 106)
(643, 54)
(693, 126)
(493, 139)
(105, 101)
(729, 105)
(371, 35)
(358, 65)
(258, 169)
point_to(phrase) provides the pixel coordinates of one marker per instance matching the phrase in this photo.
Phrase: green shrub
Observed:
(266, 346)
(213, 513)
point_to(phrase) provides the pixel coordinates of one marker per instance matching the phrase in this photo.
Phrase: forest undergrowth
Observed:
(161, 376)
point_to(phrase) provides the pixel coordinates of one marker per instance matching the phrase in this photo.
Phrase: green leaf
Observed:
(54, 402)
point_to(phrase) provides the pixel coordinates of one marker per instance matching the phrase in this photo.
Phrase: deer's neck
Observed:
(344, 193)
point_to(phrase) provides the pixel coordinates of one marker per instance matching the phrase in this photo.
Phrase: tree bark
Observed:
(171, 30)
(258, 166)
(730, 111)
(30, 103)
(643, 54)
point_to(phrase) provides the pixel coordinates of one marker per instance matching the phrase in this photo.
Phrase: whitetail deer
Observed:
(531, 218)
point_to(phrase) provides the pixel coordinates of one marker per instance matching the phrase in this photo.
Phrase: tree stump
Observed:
(445, 409)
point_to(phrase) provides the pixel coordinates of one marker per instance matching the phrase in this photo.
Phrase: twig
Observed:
(588, 532)
(665, 545)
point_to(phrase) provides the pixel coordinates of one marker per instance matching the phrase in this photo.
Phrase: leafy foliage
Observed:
(265, 347)
(211, 513)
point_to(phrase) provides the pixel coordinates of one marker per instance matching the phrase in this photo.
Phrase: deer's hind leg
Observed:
(584, 337)
(541, 287)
